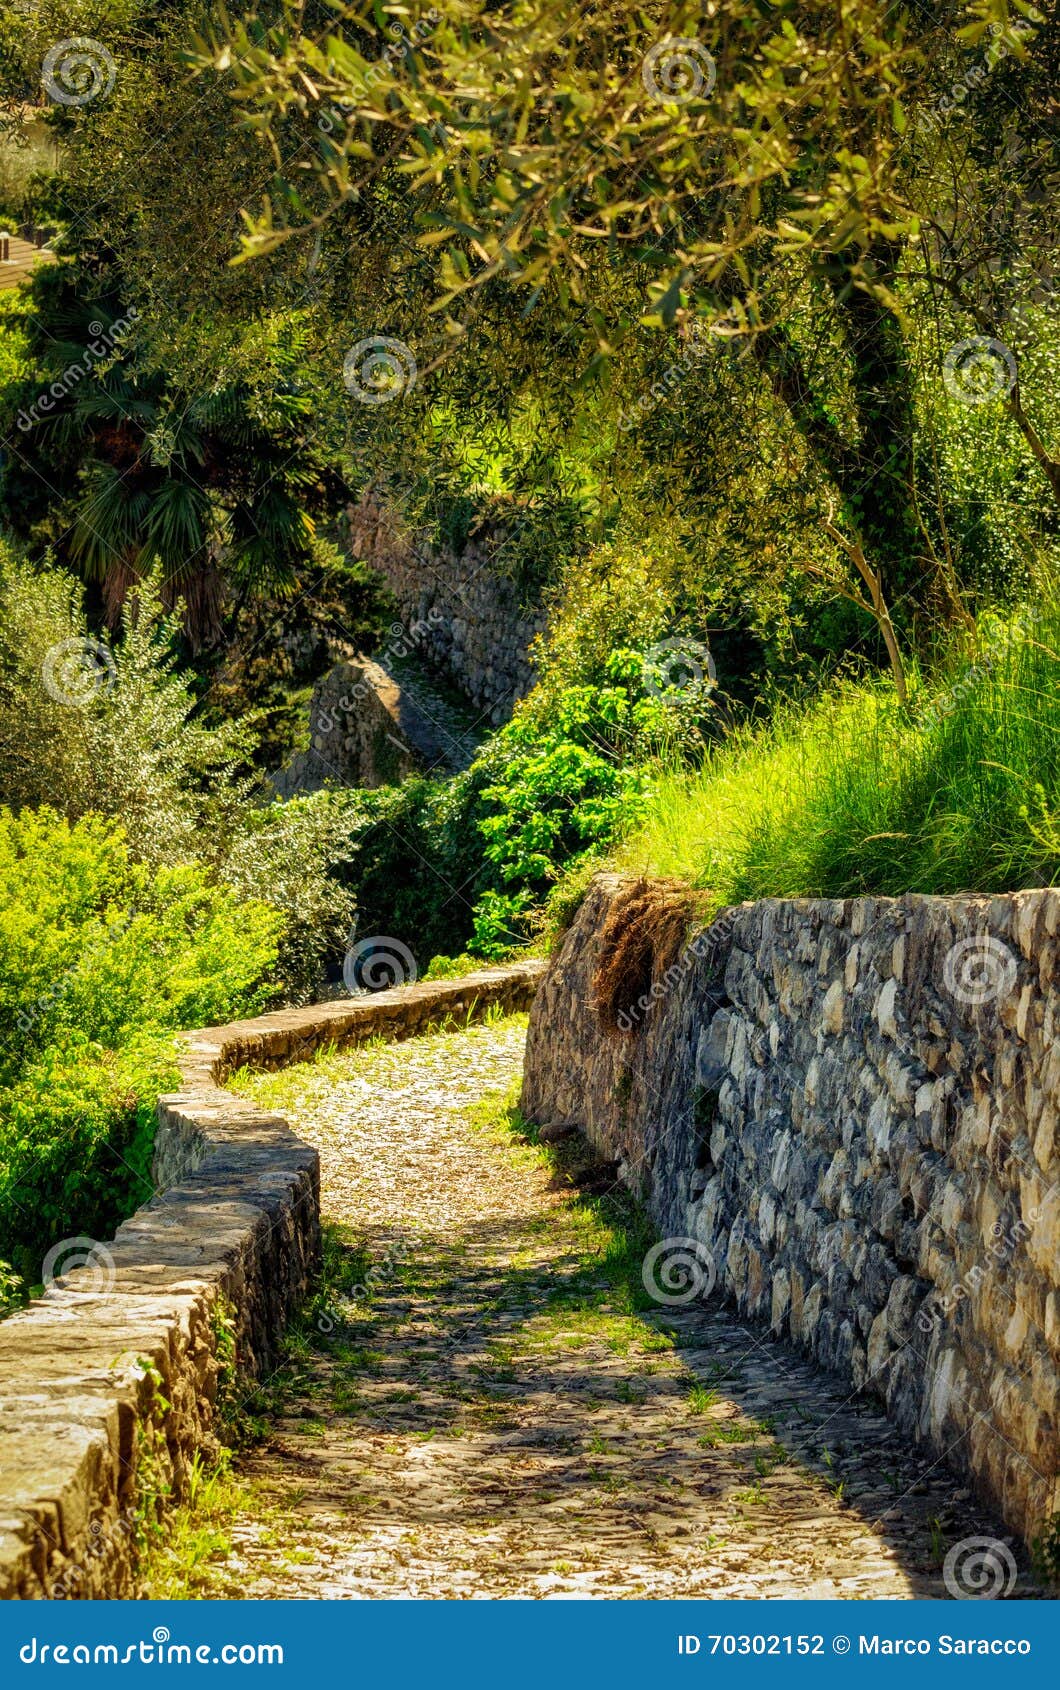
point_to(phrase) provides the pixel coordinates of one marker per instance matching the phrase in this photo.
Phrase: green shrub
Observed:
(292, 854)
(573, 781)
(101, 958)
(11, 1289)
(94, 945)
(451, 967)
(467, 864)
(613, 598)
(76, 1136)
(415, 859)
(137, 746)
(93, 725)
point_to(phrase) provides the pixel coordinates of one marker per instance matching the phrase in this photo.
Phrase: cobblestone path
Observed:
(492, 1413)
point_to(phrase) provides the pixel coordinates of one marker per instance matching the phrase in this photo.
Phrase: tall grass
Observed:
(961, 792)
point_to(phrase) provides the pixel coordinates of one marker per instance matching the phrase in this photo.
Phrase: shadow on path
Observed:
(484, 1402)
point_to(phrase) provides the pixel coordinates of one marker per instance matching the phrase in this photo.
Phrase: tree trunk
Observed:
(871, 468)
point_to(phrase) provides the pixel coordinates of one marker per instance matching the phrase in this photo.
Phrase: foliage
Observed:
(76, 1132)
(127, 739)
(851, 794)
(530, 508)
(11, 1289)
(91, 725)
(119, 467)
(724, 367)
(620, 594)
(567, 789)
(294, 854)
(451, 967)
(98, 945)
(796, 222)
(100, 957)
(467, 863)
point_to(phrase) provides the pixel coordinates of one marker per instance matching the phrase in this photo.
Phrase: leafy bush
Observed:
(100, 958)
(415, 859)
(93, 725)
(293, 854)
(467, 864)
(616, 597)
(10, 1289)
(76, 1135)
(451, 967)
(126, 738)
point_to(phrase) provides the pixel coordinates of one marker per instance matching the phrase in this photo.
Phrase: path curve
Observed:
(485, 1417)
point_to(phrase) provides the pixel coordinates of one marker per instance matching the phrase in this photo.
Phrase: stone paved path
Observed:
(489, 1416)
(456, 728)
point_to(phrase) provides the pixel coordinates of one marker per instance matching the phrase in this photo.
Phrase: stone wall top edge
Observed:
(610, 881)
(202, 1049)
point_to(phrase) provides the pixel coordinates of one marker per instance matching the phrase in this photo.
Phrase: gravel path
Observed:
(480, 1410)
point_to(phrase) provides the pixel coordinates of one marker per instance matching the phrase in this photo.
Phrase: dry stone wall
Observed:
(361, 733)
(848, 1112)
(469, 621)
(109, 1383)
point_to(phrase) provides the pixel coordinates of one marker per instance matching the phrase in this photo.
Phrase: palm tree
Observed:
(217, 485)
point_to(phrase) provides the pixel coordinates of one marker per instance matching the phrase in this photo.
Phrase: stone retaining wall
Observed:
(359, 733)
(109, 1383)
(469, 621)
(848, 1110)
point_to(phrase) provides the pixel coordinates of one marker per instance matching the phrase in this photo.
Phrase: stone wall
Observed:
(471, 625)
(848, 1110)
(109, 1382)
(359, 733)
